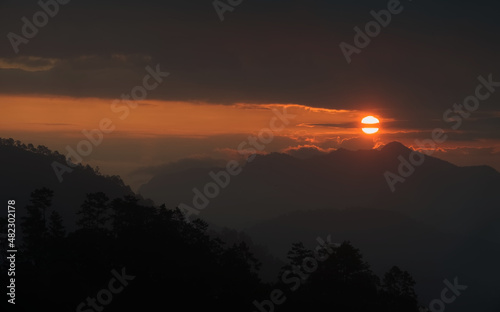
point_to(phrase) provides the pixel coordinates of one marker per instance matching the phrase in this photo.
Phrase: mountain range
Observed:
(439, 224)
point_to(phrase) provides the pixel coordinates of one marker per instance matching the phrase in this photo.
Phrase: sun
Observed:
(373, 122)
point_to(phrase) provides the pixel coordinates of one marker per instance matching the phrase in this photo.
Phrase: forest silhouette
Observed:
(176, 263)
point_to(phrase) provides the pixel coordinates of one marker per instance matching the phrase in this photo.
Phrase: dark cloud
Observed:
(428, 58)
(27, 63)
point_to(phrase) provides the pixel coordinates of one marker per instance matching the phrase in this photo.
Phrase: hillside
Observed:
(461, 200)
(25, 168)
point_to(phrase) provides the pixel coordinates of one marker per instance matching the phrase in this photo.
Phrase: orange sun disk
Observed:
(370, 120)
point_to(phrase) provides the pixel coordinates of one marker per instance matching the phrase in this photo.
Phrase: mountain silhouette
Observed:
(159, 253)
(25, 168)
(459, 200)
(441, 222)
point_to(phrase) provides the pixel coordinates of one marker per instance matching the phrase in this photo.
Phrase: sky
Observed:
(226, 78)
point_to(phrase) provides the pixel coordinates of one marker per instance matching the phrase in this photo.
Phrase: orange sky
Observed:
(155, 118)
(157, 132)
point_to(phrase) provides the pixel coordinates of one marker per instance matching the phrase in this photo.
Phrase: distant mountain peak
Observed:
(395, 148)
